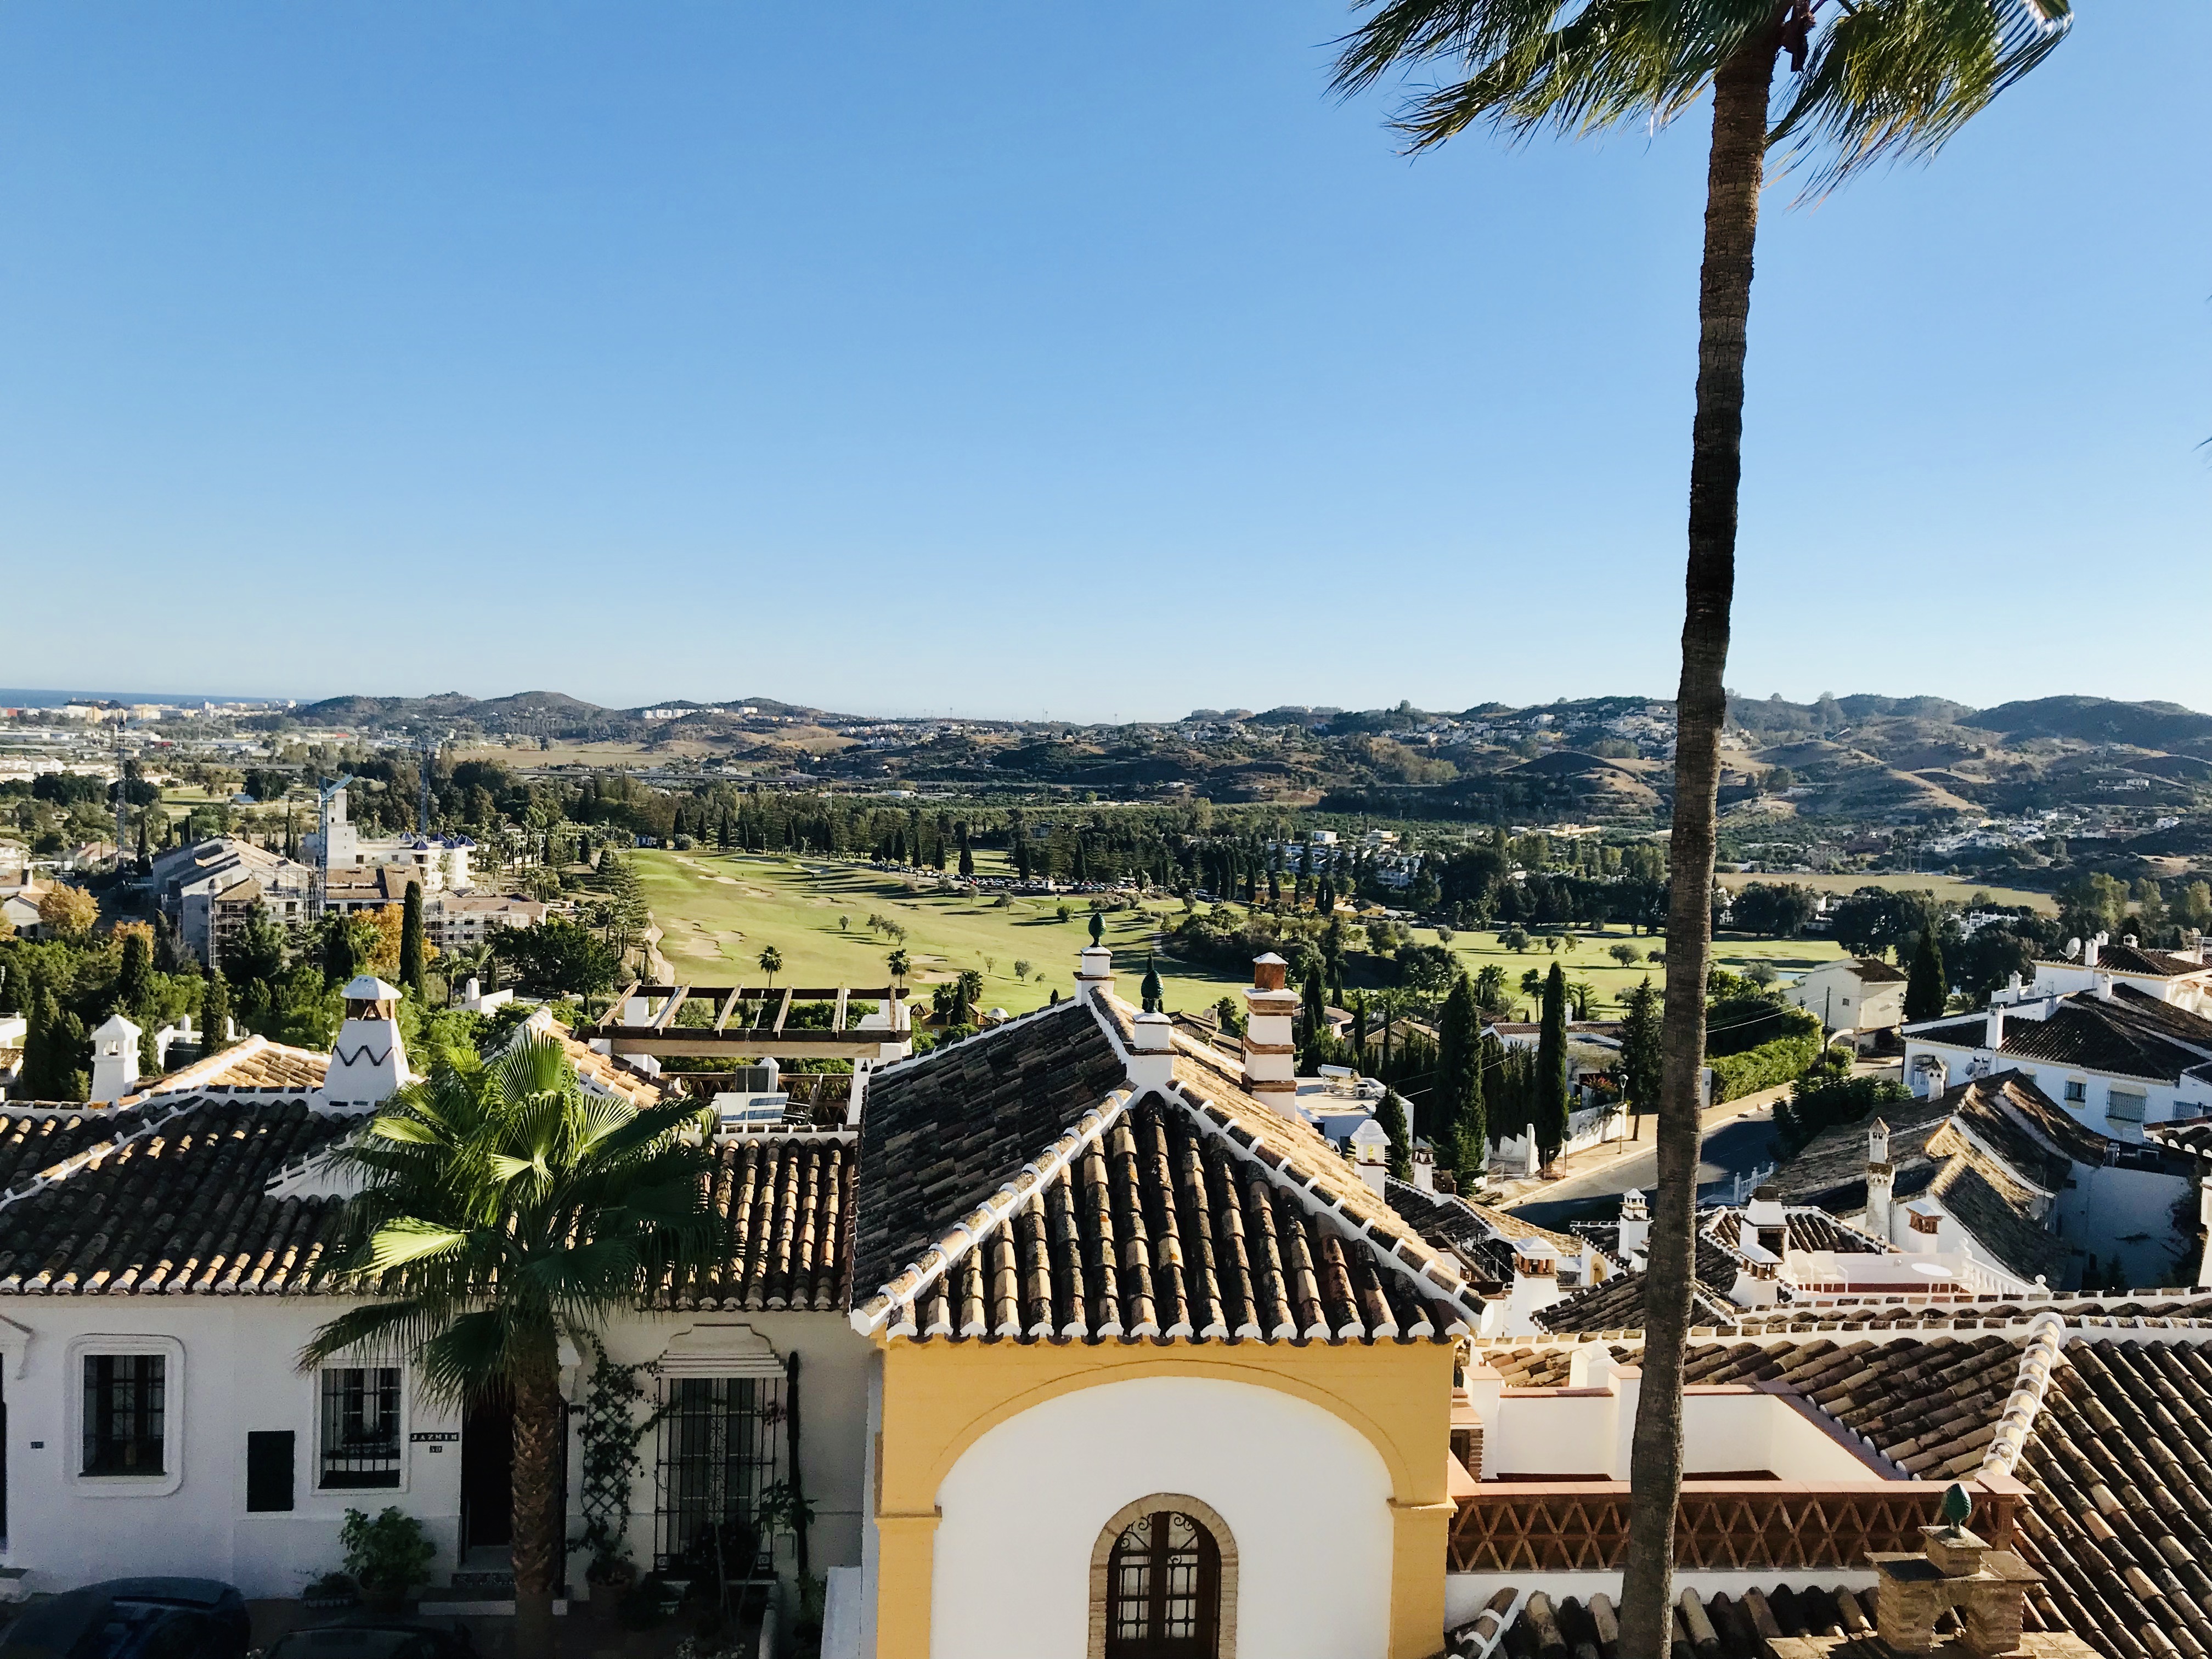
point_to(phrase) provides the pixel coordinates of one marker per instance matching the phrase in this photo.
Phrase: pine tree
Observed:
(1457, 1121)
(1925, 996)
(56, 1052)
(1390, 1118)
(1552, 1067)
(1151, 988)
(967, 854)
(411, 971)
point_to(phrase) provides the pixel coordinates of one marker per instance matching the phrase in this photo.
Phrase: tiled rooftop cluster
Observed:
(176, 1205)
(2134, 1034)
(252, 1062)
(1809, 1230)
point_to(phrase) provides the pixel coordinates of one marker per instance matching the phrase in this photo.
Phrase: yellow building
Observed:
(1158, 1374)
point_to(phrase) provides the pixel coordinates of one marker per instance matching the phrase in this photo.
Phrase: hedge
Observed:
(1779, 1061)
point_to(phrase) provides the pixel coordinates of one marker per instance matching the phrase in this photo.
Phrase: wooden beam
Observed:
(729, 1004)
(782, 1012)
(792, 1045)
(838, 1024)
(666, 1017)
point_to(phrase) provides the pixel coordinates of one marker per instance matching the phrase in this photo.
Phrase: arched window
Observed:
(1163, 1589)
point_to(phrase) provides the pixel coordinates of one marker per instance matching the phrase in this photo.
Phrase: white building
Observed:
(1856, 998)
(440, 862)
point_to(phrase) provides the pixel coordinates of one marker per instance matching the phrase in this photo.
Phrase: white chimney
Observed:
(2090, 947)
(1094, 971)
(1635, 1225)
(114, 1059)
(1758, 1284)
(1993, 1026)
(1370, 1152)
(368, 1064)
(2012, 988)
(1768, 1221)
(1880, 1180)
(1152, 1052)
(1270, 1044)
(1424, 1166)
(2104, 987)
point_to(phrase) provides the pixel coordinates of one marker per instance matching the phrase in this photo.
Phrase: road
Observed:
(1739, 1136)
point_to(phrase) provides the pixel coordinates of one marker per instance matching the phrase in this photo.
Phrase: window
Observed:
(1164, 1589)
(722, 1442)
(2077, 1092)
(2125, 1105)
(359, 1427)
(125, 1404)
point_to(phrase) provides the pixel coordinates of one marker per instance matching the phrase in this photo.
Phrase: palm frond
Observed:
(1894, 79)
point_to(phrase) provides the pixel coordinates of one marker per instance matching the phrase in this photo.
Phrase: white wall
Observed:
(2163, 1101)
(1588, 1432)
(1306, 1497)
(237, 1375)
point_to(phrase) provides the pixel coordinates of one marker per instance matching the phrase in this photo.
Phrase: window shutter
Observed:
(269, 1469)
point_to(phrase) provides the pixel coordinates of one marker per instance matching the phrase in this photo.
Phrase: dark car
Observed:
(370, 1642)
(133, 1619)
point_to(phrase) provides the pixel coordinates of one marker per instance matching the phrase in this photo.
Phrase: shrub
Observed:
(1779, 1061)
(389, 1555)
(1822, 1100)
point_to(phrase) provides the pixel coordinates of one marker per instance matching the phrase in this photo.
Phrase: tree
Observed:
(1868, 81)
(1626, 955)
(1640, 1048)
(900, 964)
(255, 953)
(412, 975)
(771, 963)
(1458, 1122)
(1150, 990)
(557, 955)
(1097, 926)
(215, 1011)
(134, 980)
(1390, 1118)
(1550, 1117)
(967, 854)
(57, 1054)
(1926, 994)
(502, 1210)
(68, 913)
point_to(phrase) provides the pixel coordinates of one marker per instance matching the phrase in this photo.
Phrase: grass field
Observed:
(1944, 887)
(717, 911)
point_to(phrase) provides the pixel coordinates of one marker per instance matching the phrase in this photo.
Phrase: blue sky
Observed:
(1079, 358)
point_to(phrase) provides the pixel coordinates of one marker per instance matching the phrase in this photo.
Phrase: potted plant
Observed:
(387, 1557)
(611, 1576)
(331, 1593)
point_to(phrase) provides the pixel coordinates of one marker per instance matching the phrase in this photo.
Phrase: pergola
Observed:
(751, 1022)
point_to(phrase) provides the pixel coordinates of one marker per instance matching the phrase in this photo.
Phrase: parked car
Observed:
(370, 1642)
(133, 1619)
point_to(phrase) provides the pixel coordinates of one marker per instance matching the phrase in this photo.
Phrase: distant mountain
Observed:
(2098, 719)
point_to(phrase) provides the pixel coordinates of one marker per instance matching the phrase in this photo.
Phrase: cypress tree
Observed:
(411, 971)
(134, 983)
(1925, 996)
(1151, 988)
(967, 854)
(214, 1012)
(1552, 1067)
(1640, 1053)
(1457, 1119)
(1315, 1008)
(1390, 1118)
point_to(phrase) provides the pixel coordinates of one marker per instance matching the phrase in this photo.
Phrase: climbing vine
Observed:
(610, 1435)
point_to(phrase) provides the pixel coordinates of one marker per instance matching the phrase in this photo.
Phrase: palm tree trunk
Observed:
(1733, 178)
(537, 1543)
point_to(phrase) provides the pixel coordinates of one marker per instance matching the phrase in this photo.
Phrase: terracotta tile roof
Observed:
(1809, 1230)
(1449, 1224)
(1617, 1304)
(2121, 957)
(2121, 1521)
(786, 1203)
(2191, 1136)
(254, 1062)
(943, 1131)
(1016, 1190)
(1872, 971)
(601, 1072)
(2134, 1036)
(166, 1199)
(1829, 1171)
(1739, 1623)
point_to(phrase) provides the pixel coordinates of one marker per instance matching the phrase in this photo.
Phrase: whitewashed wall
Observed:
(1306, 1496)
(233, 1372)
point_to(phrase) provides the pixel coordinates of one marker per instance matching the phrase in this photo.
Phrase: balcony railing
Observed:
(1581, 1525)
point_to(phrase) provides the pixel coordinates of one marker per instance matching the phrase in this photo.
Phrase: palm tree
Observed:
(1867, 80)
(900, 964)
(502, 1209)
(771, 963)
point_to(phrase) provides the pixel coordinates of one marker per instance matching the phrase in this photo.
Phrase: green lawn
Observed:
(717, 911)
